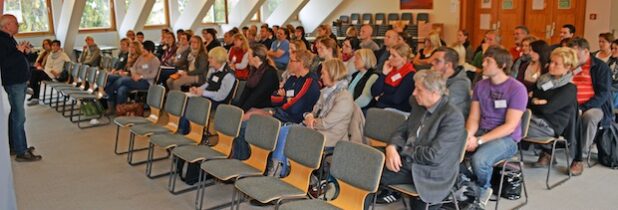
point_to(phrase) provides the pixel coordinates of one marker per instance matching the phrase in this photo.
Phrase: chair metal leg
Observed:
(551, 164)
(171, 185)
(233, 198)
(589, 157)
(149, 160)
(502, 173)
(116, 144)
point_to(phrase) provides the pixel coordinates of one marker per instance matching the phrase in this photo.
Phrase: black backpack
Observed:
(607, 144)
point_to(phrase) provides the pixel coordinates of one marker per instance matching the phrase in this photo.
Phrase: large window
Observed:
(268, 8)
(98, 15)
(217, 13)
(159, 14)
(34, 16)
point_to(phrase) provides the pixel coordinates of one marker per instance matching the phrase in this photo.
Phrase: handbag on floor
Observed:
(512, 184)
(130, 109)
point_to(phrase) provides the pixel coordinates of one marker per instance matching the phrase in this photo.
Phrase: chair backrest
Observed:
(83, 72)
(175, 103)
(198, 112)
(91, 78)
(101, 82)
(380, 19)
(227, 125)
(344, 19)
(367, 18)
(393, 17)
(239, 89)
(422, 17)
(304, 148)
(114, 62)
(358, 169)
(233, 92)
(380, 124)
(525, 123)
(407, 17)
(355, 18)
(154, 99)
(77, 67)
(261, 134)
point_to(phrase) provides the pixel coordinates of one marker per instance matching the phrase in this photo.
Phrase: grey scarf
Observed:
(329, 97)
(556, 83)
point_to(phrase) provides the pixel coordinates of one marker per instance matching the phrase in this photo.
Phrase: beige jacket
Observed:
(342, 118)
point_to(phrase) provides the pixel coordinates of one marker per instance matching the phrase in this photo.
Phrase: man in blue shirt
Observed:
(15, 75)
(280, 50)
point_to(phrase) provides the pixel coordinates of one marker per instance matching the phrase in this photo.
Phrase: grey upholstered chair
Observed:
(156, 95)
(175, 103)
(227, 126)
(69, 67)
(380, 125)
(357, 169)
(261, 135)
(198, 112)
(303, 148)
(94, 92)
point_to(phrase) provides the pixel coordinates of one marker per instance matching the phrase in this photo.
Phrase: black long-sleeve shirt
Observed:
(13, 63)
(259, 96)
(559, 107)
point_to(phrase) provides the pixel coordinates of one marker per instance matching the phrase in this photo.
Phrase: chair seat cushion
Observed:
(82, 95)
(59, 84)
(308, 204)
(126, 121)
(405, 188)
(193, 154)
(267, 188)
(148, 129)
(228, 168)
(169, 140)
(66, 88)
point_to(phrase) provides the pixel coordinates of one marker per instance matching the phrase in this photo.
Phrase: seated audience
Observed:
(130, 35)
(220, 82)
(391, 38)
(491, 38)
(605, 50)
(210, 39)
(423, 57)
(430, 143)
(123, 55)
(552, 101)
(366, 39)
(538, 55)
(463, 42)
(169, 49)
(524, 59)
(239, 57)
(519, 34)
(140, 37)
(363, 79)
(54, 66)
(266, 36)
(613, 65)
(327, 49)
(91, 54)
(444, 61)
(280, 50)
(196, 68)
(143, 73)
(493, 125)
(39, 63)
(262, 81)
(184, 48)
(593, 81)
(159, 50)
(348, 47)
(332, 114)
(395, 85)
(228, 40)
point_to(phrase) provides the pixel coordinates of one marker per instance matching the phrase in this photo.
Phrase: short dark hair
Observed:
(571, 27)
(260, 51)
(140, 33)
(245, 28)
(450, 55)
(579, 42)
(56, 42)
(523, 28)
(502, 56)
(148, 46)
(609, 37)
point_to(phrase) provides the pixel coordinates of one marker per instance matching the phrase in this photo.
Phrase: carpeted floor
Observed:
(80, 171)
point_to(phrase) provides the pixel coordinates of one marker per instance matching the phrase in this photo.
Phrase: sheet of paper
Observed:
(538, 4)
(485, 23)
(486, 4)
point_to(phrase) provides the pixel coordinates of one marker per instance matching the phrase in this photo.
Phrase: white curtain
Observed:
(7, 191)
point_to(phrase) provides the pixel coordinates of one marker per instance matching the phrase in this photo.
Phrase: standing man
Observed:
(15, 75)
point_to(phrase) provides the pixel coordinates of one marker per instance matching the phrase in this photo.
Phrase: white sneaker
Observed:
(29, 91)
(94, 122)
(485, 197)
(33, 102)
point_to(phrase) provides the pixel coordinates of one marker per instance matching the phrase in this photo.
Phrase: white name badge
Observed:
(179, 56)
(577, 71)
(547, 85)
(500, 104)
(289, 93)
(121, 59)
(145, 66)
(215, 79)
(396, 77)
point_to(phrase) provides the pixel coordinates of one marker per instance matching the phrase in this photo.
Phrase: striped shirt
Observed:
(583, 82)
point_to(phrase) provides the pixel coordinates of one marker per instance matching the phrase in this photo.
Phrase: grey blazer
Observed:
(433, 151)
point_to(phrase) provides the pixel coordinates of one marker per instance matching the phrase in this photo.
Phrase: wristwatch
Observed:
(479, 141)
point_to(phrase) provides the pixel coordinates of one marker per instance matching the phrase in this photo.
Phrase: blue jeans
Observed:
(487, 155)
(123, 86)
(17, 117)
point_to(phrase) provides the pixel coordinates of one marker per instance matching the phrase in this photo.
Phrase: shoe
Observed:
(387, 196)
(28, 156)
(543, 160)
(485, 196)
(577, 168)
(94, 122)
(33, 102)
(13, 153)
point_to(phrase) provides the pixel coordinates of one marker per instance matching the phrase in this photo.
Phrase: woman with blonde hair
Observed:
(553, 100)
(432, 42)
(364, 78)
(396, 83)
(238, 56)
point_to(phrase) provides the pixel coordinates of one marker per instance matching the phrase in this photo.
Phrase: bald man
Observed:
(367, 42)
(391, 38)
(15, 72)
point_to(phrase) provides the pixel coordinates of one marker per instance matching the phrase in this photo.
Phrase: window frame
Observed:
(215, 22)
(112, 9)
(50, 22)
(167, 18)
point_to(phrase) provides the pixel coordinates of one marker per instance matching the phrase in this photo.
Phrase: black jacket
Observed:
(13, 63)
(259, 96)
(559, 107)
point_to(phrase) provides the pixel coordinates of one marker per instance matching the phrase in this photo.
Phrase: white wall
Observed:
(603, 9)
(7, 191)
(444, 11)
(614, 17)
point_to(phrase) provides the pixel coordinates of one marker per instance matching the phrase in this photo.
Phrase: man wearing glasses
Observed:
(444, 60)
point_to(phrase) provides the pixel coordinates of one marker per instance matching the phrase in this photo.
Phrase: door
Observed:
(545, 18)
(510, 15)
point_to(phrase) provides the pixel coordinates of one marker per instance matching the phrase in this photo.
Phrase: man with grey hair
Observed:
(445, 61)
(15, 75)
(431, 142)
(519, 34)
(91, 54)
(366, 40)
